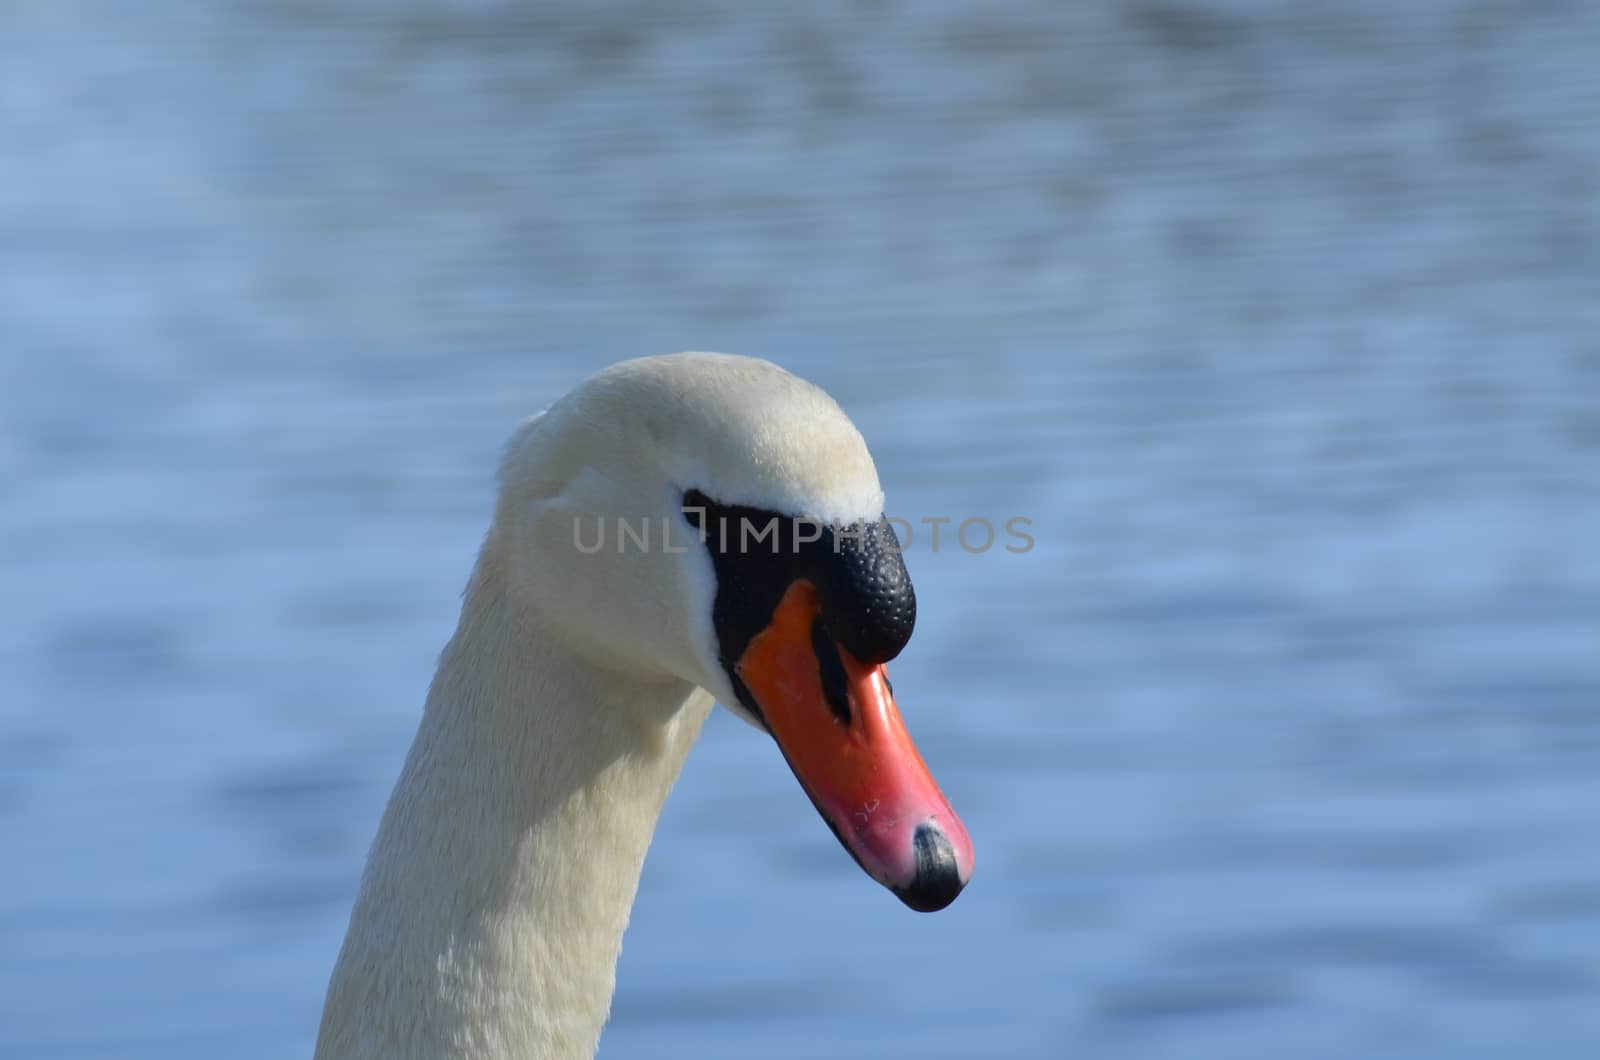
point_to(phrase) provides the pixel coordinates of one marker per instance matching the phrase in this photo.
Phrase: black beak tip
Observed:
(938, 878)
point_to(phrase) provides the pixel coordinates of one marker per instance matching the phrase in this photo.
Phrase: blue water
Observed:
(1280, 323)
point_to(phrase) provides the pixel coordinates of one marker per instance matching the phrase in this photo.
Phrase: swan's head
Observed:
(716, 520)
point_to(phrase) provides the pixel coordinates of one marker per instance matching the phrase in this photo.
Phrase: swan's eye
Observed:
(863, 593)
(695, 506)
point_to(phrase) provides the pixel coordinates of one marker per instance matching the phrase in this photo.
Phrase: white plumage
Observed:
(495, 897)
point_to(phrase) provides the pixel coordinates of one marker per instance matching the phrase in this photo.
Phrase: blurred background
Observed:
(1281, 323)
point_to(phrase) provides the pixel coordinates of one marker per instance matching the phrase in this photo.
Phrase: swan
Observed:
(674, 532)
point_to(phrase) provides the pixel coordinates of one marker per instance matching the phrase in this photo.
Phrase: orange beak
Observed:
(835, 719)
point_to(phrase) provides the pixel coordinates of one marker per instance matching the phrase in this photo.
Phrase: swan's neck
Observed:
(492, 909)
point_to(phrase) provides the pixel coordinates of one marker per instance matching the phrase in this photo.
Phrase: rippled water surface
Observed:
(1281, 324)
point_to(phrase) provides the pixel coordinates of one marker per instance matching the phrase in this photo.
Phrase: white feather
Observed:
(493, 905)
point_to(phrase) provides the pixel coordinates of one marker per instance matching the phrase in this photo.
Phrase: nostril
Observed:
(835, 682)
(938, 878)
